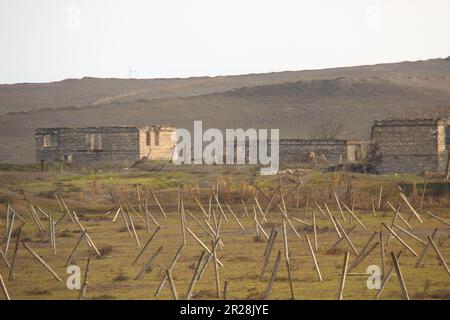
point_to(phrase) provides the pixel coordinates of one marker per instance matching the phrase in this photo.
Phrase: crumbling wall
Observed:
(125, 144)
(87, 145)
(162, 143)
(313, 151)
(410, 146)
(447, 133)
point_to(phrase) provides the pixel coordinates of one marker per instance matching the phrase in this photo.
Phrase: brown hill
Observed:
(294, 108)
(295, 102)
(93, 91)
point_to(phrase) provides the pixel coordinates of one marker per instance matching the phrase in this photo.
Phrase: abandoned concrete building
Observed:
(411, 146)
(125, 144)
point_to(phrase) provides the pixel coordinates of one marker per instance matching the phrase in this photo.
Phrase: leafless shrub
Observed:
(326, 128)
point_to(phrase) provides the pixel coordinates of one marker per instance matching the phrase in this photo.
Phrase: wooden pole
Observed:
(201, 207)
(5, 291)
(4, 258)
(216, 269)
(347, 238)
(386, 277)
(201, 244)
(349, 231)
(211, 233)
(320, 209)
(362, 256)
(289, 222)
(146, 245)
(52, 231)
(267, 255)
(13, 261)
(183, 223)
(394, 219)
(422, 255)
(149, 262)
(343, 276)
(399, 276)
(19, 216)
(125, 219)
(411, 207)
(159, 205)
(171, 266)
(234, 216)
(8, 239)
(302, 221)
(273, 276)
(85, 282)
(148, 213)
(383, 256)
(83, 234)
(245, 207)
(286, 256)
(410, 234)
(172, 284)
(316, 246)
(259, 227)
(194, 277)
(439, 254)
(437, 218)
(272, 231)
(397, 213)
(373, 205)
(87, 237)
(38, 258)
(332, 221)
(209, 257)
(352, 214)
(364, 249)
(399, 239)
(220, 207)
(136, 238)
(339, 205)
(116, 215)
(225, 290)
(8, 219)
(316, 265)
(379, 197)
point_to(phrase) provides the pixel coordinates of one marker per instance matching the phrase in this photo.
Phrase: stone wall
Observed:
(125, 144)
(162, 143)
(313, 151)
(411, 146)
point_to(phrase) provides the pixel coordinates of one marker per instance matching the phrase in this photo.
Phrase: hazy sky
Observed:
(50, 40)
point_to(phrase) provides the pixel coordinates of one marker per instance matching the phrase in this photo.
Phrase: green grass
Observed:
(113, 276)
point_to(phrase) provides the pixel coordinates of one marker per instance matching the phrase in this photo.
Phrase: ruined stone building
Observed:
(125, 144)
(317, 152)
(411, 146)
(314, 152)
(396, 146)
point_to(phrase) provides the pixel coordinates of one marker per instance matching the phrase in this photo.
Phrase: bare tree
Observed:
(326, 128)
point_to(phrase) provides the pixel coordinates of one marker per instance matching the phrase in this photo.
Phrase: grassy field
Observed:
(112, 276)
